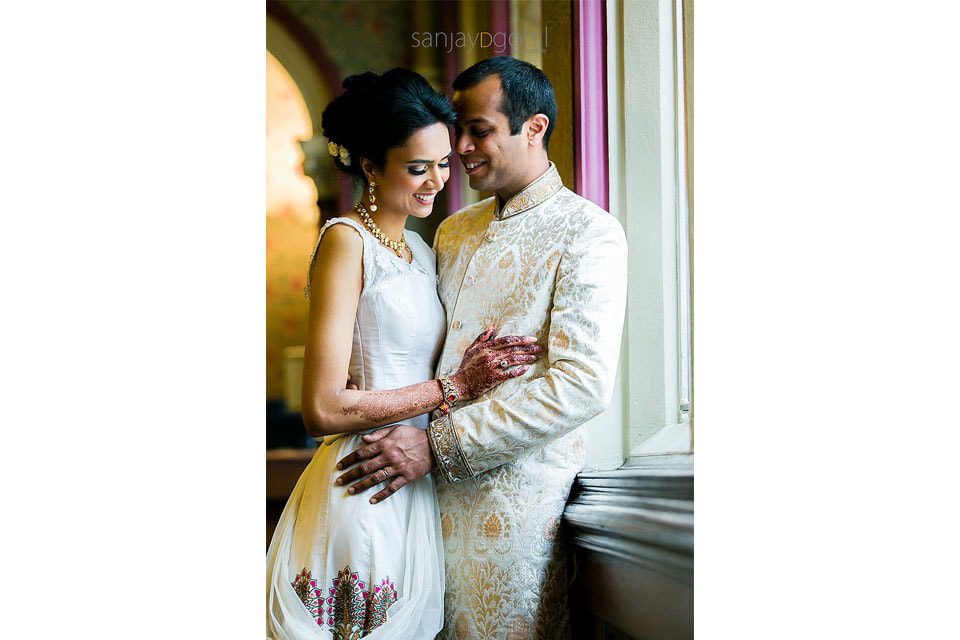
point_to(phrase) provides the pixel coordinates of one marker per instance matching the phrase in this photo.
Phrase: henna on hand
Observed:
(488, 362)
(479, 341)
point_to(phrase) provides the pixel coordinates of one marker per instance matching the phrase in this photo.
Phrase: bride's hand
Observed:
(489, 361)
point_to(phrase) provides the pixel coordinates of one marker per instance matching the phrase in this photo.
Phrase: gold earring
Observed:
(373, 198)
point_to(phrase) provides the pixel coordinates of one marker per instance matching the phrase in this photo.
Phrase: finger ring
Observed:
(503, 364)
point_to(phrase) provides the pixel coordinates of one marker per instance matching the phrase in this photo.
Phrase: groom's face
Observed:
(490, 155)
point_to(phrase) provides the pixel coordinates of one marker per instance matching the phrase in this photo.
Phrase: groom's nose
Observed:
(464, 143)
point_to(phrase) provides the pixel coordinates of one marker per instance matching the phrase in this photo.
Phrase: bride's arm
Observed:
(328, 408)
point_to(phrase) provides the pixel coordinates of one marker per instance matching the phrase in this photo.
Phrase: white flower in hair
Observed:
(338, 150)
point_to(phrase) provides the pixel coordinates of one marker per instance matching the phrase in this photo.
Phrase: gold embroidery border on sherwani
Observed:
(447, 451)
(534, 194)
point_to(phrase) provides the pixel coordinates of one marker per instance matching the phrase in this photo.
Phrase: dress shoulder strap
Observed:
(313, 256)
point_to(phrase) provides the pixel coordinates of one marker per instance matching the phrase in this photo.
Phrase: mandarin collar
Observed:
(535, 193)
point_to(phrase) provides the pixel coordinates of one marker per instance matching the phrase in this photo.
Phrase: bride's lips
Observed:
(472, 168)
(425, 199)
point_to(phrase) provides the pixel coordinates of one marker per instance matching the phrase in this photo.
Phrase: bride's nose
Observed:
(434, 178)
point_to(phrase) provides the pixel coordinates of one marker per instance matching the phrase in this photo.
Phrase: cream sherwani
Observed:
(553, 265)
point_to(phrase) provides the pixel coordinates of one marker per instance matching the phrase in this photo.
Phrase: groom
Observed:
(536, 259)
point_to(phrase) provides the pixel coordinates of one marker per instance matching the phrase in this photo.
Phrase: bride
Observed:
(342, 566)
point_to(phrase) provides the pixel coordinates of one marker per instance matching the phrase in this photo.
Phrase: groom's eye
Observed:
(481, 134)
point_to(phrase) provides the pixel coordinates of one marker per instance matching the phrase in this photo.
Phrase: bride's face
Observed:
(416, 172)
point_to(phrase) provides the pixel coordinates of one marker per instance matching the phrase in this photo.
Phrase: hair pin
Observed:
(338, 150)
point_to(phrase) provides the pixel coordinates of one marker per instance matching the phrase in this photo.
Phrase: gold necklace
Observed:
(397, 246)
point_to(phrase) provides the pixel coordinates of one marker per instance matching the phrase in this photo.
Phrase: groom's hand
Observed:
(401, 452)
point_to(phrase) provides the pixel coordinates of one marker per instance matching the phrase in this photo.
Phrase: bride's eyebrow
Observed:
(446, 157)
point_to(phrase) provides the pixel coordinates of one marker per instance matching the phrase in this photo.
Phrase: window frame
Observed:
(649, 193)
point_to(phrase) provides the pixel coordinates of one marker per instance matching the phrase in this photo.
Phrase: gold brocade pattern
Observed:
(536, 193)
(507, 459)
(443, 441)
(493, 526)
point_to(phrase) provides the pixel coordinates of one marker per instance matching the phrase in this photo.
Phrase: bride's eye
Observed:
(417, 172)
(444, 165)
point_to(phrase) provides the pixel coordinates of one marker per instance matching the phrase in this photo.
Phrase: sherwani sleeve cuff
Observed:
(447, 450)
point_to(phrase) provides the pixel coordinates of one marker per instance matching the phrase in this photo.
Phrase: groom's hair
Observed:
(526, 90)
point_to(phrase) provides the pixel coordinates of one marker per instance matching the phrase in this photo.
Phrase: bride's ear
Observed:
(368, 168)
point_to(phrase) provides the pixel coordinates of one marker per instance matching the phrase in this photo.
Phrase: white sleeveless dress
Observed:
(339, 567)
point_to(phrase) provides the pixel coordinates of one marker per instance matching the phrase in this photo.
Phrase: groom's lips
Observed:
(474, 167)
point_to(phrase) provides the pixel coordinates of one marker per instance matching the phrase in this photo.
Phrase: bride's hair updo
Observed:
(376, 113)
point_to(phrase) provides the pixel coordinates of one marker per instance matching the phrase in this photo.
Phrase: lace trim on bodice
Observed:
(387, 261)
(383, 259)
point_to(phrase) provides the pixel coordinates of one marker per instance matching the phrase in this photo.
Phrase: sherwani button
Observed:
(456, 324)
(468, 281)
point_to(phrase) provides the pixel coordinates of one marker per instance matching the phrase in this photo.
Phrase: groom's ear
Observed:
(536, 129)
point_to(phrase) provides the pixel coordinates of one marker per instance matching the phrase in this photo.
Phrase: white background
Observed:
(825, 258)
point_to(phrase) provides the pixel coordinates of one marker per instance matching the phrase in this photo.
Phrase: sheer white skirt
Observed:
(339, 567)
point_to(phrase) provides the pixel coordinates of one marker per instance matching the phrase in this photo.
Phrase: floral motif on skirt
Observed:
(350, 608)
